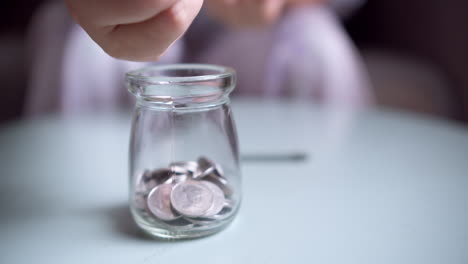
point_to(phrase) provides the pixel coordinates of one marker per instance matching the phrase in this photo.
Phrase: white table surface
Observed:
(377, 187)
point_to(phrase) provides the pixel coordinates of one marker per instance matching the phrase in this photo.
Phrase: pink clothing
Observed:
(305, 54)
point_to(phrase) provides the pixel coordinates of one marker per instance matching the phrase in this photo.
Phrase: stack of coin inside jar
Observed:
(187, 193)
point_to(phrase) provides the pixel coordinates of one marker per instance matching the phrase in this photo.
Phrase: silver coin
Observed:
(229, 204)
(190, 166)
(153, 178)
(191, 198)
(159, 202)
(205, 220)
(218, 198)
(219, 170)
(139, 200)
(178, 170)
(177, 179)
(180, 222)
(221, 182)
(205, 166)
(161, 175)
(140, 186)
(199, 221)
(145, 175)
(141, 179)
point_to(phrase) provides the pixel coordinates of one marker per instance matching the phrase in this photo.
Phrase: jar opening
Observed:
(181, 83)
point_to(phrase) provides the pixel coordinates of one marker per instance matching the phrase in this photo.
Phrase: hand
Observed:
(138, 30)
(246, 13)
(302, 2)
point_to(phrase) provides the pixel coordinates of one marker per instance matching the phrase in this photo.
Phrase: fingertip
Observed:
(149, 39)
(177, 16)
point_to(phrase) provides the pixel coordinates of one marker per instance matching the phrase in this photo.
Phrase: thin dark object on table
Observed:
(263, 157)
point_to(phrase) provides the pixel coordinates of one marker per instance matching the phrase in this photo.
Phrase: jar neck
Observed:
(182, 104)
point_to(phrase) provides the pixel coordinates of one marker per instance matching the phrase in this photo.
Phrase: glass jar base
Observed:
(178, 233)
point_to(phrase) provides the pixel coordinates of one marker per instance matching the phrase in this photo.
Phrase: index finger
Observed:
(114, 12)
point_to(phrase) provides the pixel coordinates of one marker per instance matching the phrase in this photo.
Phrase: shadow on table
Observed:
(123, 223)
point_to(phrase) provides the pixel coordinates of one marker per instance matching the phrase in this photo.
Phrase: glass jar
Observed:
(185, 179)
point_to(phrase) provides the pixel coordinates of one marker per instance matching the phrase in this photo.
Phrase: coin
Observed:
(219, 170)
(153, 178)
(205, 220)
(139, 201)
(178, 170)
(199, 221)
(221, 182)
(180, 222)
(206, 167)
(159, 202)
(229, 204)
(190, 166)
(177, 179)
(191, 198)
(161, 175)
(218, 198)
(140, 186)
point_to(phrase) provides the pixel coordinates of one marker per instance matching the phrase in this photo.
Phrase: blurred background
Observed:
(415, 51)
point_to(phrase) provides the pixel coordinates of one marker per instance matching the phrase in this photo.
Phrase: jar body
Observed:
(184, 168)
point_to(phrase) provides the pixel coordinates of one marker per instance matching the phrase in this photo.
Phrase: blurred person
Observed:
(278, 47)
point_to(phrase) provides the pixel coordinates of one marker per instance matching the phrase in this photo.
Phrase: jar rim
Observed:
(217, 72)
(182, 85)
